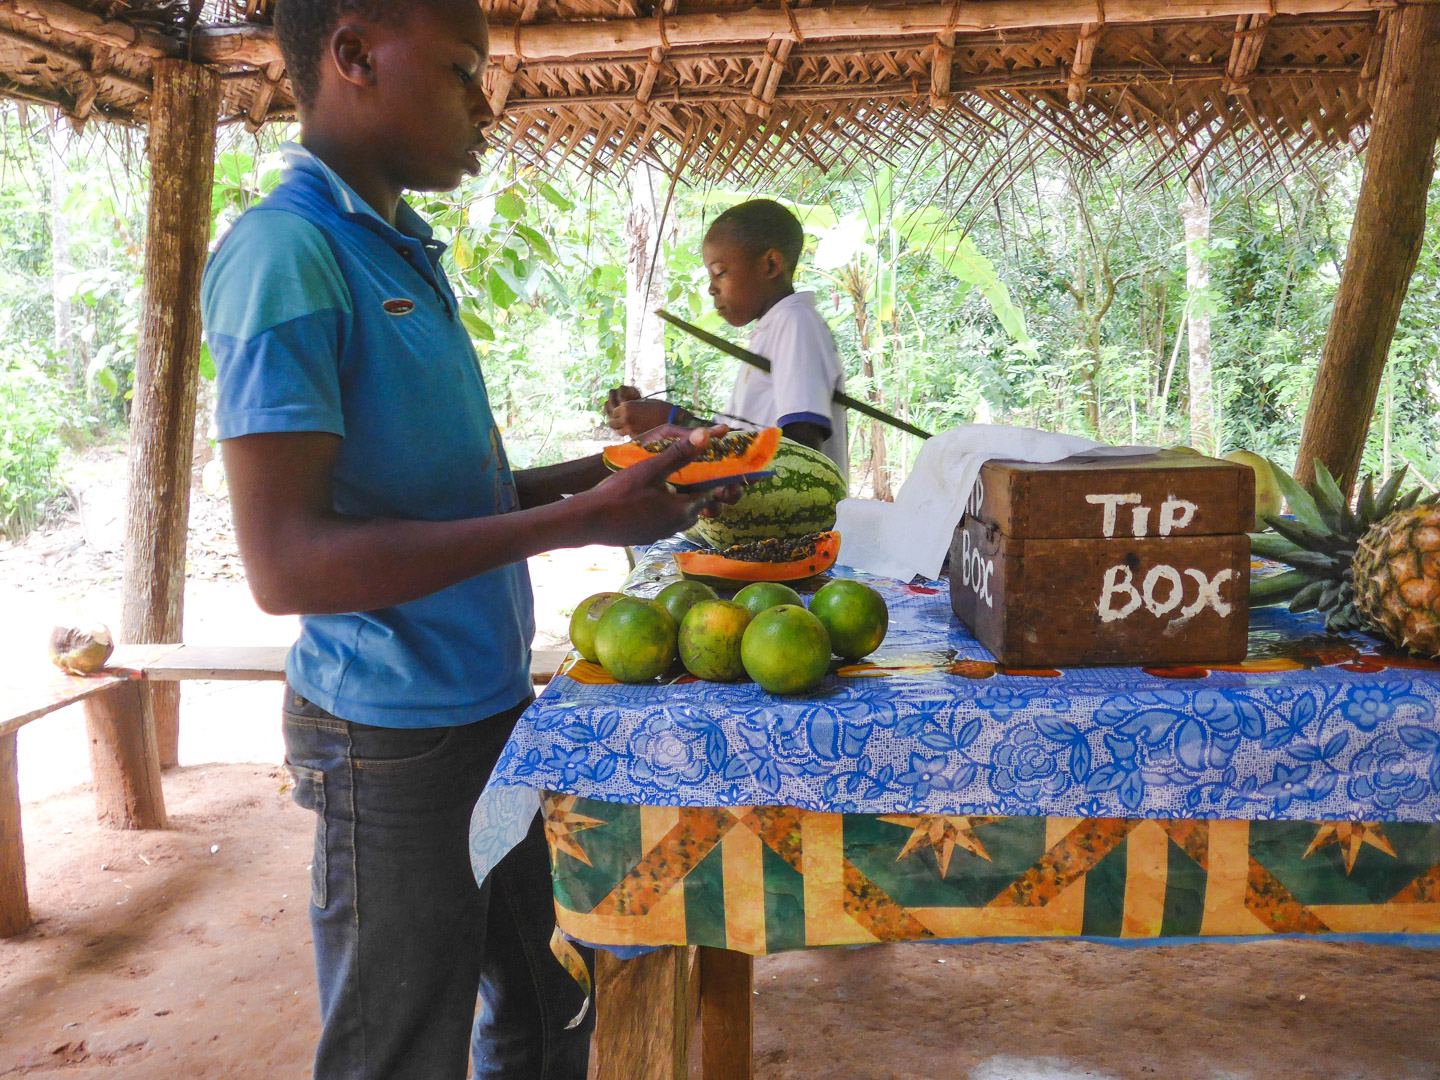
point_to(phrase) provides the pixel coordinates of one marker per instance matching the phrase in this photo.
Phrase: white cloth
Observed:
(912, 535)
(805, 371)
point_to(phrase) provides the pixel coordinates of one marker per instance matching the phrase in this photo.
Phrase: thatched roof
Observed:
(730, 89)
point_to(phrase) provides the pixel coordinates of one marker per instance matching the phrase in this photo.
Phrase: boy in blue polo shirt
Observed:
(372, 496)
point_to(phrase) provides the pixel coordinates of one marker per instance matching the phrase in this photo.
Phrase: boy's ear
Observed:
(772, 264)
(350, 55)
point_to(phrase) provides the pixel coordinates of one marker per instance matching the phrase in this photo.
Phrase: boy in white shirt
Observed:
(750, 252)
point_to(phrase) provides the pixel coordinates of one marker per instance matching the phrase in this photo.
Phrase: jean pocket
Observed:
(377, 749)
(310, 794)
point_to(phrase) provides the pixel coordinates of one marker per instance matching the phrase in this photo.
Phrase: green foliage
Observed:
(31, 416)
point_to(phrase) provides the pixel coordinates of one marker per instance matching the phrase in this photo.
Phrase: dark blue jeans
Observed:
(405, 940)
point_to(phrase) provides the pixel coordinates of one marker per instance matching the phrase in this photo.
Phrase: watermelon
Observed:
(798, 500)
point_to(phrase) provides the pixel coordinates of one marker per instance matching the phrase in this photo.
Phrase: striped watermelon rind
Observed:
(799, 500)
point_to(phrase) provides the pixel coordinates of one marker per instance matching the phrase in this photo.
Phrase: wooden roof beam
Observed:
(1084, 58)
(1245, 52)
(255, 45)
(92, 28)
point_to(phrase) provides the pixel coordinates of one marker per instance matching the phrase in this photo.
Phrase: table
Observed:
(928, 794)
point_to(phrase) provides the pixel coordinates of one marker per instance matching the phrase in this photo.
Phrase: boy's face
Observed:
(744, 285)
(427, 111)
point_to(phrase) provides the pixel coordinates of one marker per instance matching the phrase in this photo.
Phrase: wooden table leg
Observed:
(125, 759)
(14, 900)
(642, 1019)
(727, 1015)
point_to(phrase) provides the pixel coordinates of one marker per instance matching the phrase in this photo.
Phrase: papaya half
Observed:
(764, 560)
(732, 455)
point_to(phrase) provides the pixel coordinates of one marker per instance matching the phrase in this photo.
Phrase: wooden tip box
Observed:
(1086, 561)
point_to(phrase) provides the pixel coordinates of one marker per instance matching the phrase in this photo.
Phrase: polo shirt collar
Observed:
(408, 228)
(806, 299)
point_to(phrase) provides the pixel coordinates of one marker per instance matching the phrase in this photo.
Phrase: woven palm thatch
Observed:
(723, 89)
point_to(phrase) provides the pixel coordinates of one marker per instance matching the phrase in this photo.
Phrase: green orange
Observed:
(635, 639)
(680, 596)
(766, 594)
(584, 621)
(854, 615)
(710, 636)
(786, 650)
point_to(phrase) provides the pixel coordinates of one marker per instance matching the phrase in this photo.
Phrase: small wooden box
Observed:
(1138, 560)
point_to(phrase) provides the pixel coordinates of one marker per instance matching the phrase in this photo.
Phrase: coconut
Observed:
(81, 650)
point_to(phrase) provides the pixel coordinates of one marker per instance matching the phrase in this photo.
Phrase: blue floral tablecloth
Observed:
(1311, 727)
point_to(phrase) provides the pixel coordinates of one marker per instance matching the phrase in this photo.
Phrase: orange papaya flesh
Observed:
(735, 454)
(765, 560)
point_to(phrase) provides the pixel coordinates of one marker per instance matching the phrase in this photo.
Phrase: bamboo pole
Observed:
(255, 45)
(1385, 243)
(162, 423)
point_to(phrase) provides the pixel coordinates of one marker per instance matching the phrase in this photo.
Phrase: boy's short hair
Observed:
(762, 224)
(303, 29)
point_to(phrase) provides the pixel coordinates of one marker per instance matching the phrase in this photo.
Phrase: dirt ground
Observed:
(186, 953)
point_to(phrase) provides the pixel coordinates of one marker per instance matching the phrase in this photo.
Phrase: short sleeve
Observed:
(803, 367)
(274, 306)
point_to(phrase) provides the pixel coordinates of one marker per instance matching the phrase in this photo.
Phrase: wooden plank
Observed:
(183, 108)
(727, 1021)
(14, 899)
(256, 663)
(29, 703)
(1385, 244)
(1076, 603)
(1170, 493)
(599, 38)
(125, 759)
(642, 1022)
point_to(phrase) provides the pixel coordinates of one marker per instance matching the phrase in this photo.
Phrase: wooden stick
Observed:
(255, 45)
(642, 1018)
(125, 759)
(14, 897)
(757, 361)
(1385, 244)
(727, 1015)
(162, 426)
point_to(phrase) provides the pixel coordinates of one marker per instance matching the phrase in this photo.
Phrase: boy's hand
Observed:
(636, 506)
(631, 415)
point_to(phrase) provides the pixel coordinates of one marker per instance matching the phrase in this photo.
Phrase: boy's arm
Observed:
(302, 557)
(806, 432)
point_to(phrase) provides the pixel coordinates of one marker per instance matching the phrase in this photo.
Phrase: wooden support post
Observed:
(14, 899)
(727, 1015)
(125, 759)
(1384, 245)
(642, 1019)
(1084, 60)
(184, 106)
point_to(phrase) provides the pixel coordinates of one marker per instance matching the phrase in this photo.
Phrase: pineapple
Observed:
(1375, 567)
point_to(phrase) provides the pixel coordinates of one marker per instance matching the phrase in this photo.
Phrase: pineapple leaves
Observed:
(1385, 500)
(1331, 501)
(1305, 538)
(1308, 597)
(1301, 504)
(1278, 588)
(1365, 506)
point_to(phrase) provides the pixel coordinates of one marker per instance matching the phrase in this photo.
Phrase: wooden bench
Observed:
(124, 757)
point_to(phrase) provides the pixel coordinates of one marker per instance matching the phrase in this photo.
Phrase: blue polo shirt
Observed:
(321, 316)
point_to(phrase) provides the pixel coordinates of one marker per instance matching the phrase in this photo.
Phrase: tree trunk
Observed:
(1384, 245)
(1195, 211)
(125, 758)
(645, 283)
(62, 260)
(182, 163)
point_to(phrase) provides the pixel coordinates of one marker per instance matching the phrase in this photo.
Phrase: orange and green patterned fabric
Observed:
(764, 879)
